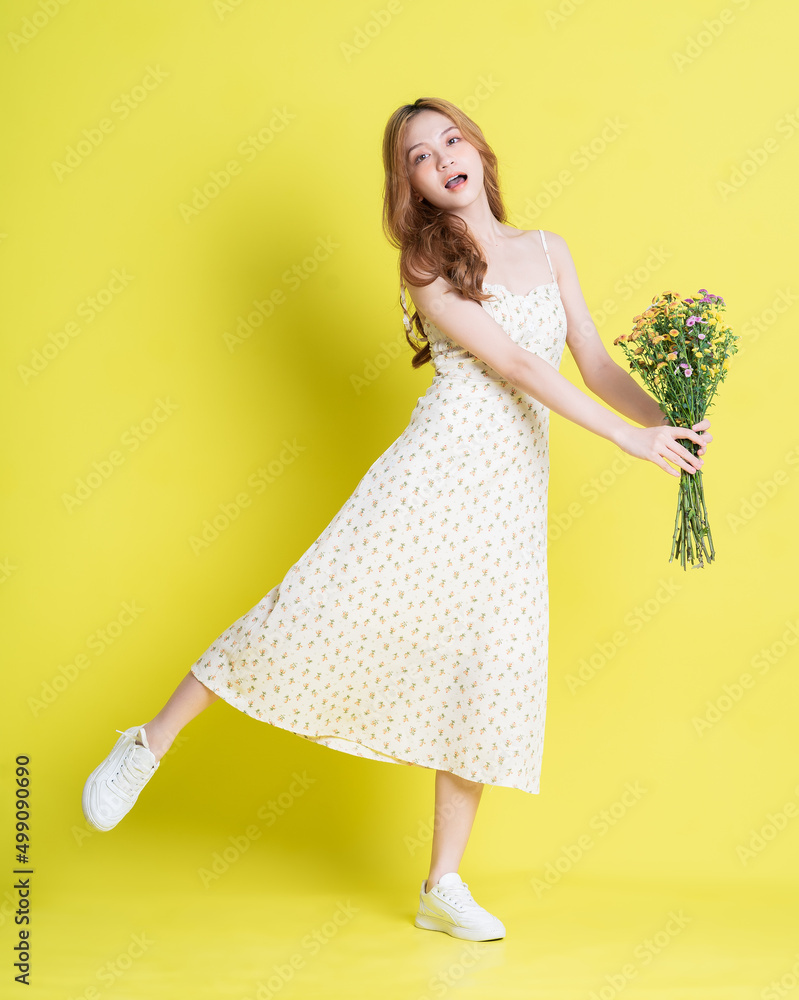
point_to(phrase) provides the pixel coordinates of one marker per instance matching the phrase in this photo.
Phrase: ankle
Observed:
(432, 879)
(158, 740)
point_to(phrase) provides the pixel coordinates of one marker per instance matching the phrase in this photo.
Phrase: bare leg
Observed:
(189, 698)
(457, 800)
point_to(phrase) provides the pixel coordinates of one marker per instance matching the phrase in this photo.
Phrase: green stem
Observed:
(707, 519)
(675, 535)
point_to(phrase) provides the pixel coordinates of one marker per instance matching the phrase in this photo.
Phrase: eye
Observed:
(452, 138)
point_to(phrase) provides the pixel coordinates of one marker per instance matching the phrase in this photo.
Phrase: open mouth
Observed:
(456, 181)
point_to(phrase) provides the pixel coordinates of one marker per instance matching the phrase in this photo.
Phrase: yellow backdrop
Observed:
(203, 355)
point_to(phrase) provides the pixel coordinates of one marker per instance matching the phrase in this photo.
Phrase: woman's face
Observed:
(436, 150)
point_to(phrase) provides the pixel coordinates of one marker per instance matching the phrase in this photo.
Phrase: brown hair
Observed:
(432, 241)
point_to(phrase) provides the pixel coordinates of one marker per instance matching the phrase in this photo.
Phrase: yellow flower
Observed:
(672, 356)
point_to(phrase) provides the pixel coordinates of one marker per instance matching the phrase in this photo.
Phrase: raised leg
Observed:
(189, 698)
(457, 800)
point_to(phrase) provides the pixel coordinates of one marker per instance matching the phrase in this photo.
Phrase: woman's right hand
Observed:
(656, 444)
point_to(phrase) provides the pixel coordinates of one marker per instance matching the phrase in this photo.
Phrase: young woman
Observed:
(414, 630)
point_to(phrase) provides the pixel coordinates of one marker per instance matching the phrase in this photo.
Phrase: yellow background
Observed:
(698, 95)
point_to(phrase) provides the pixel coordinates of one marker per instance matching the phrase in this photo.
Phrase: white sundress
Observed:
(415, 629)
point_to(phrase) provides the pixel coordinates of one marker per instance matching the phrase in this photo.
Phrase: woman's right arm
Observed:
(466, 323)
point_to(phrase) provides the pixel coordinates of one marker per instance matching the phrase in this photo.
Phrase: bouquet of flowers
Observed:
(680, 348)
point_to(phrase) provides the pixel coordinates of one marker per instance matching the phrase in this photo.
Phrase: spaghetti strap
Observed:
(544, 241)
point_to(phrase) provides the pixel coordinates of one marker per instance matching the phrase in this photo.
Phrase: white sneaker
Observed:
(449, 907)
(113, 787)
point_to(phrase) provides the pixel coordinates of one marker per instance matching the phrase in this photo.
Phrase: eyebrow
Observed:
(442, 132)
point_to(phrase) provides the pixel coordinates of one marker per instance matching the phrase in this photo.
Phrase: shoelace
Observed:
(130, 776)
(458, 895)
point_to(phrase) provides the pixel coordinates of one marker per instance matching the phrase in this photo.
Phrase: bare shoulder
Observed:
(558, 250)
(555, 242)
(429, 297)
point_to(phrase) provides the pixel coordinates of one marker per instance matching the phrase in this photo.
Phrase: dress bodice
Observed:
(536, 321)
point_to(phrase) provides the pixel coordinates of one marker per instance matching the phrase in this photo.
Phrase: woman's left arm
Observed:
(608, 380)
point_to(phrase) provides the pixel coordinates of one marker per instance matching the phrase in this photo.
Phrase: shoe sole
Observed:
(465, 933)
(85, 800)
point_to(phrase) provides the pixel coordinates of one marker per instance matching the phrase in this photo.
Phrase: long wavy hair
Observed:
(432, 241)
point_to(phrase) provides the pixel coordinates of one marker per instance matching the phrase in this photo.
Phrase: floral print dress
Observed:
(414, 630)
